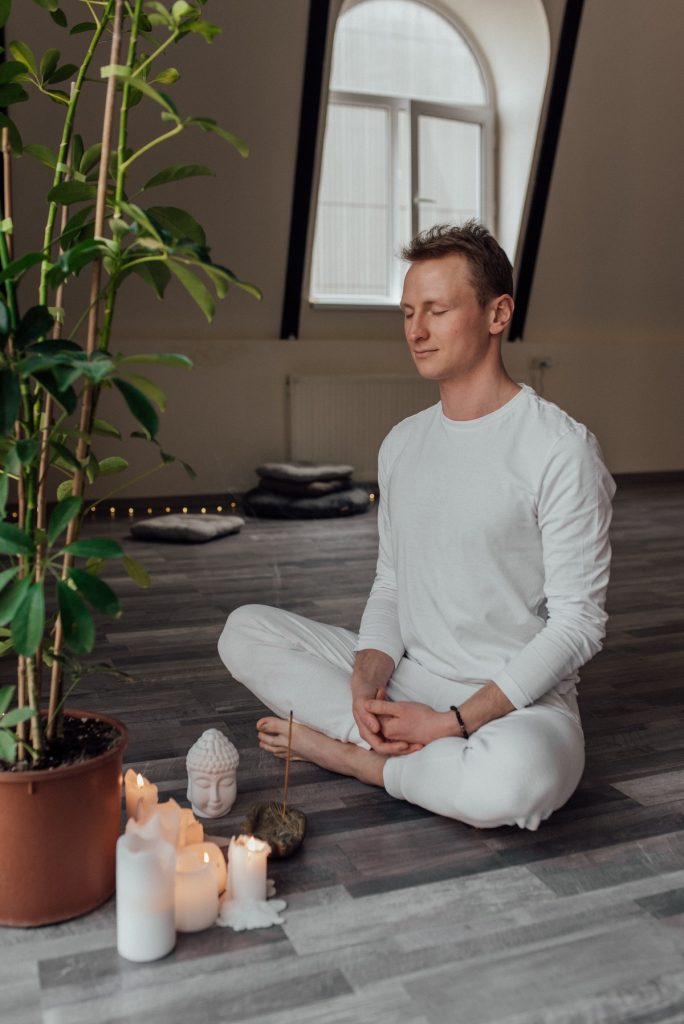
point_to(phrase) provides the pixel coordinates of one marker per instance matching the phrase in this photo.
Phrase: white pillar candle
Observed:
(247, 868)
(216, 859)
(145, 888)
(141, 794)
(196, 892)
(160, 820)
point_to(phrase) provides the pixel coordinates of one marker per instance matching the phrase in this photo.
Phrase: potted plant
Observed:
(60, 769)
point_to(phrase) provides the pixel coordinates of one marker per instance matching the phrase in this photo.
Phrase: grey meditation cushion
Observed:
(260, 502)
(189, 528)
(305, 490)
(303, 472)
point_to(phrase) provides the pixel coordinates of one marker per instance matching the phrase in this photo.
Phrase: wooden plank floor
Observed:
(394, 914)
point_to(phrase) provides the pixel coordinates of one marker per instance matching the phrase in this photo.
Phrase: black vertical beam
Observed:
(306, 152)
(547, 156)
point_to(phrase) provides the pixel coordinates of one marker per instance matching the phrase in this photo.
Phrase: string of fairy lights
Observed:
(189, 506)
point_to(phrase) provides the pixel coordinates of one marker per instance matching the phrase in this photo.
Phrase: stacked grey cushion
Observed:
(305, 490)
(186, 528)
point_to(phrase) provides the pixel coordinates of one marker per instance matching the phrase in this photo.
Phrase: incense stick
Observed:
(287, 764)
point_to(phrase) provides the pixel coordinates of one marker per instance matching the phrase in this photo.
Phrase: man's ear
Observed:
(501, 311)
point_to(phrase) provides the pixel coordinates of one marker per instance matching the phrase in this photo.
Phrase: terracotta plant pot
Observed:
(58, 833)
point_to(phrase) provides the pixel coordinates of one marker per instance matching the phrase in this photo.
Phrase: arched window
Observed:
(408, 143)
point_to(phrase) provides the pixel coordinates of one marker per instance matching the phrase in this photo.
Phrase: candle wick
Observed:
(287, 764)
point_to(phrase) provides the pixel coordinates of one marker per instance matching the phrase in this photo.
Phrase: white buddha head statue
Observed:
(212, 765)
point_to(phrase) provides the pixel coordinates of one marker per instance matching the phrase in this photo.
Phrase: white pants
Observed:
(514, 770)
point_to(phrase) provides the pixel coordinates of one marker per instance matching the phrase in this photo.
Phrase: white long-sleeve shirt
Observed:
(494, 552)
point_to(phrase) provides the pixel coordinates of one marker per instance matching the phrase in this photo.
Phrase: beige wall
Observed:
(604, 301)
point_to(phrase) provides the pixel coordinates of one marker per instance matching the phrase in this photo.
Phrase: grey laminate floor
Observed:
(394, 914)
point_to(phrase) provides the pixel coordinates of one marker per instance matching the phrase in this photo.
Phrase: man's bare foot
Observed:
(310, 745)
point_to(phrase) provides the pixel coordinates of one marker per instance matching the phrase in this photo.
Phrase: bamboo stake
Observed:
(82, 448)
(287, 765)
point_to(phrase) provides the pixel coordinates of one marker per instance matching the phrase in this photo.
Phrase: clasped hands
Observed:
(395, 727)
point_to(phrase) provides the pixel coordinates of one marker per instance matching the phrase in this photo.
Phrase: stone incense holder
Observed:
(281, 826)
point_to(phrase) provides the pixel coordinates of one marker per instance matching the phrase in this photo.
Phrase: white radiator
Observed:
(345, 418)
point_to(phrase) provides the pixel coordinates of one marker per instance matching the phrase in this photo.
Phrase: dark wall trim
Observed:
(306, 153)
(547, 155)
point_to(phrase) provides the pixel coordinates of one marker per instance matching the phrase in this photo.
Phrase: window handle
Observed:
(422, 199)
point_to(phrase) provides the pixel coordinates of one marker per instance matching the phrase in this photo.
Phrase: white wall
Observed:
(606, 296)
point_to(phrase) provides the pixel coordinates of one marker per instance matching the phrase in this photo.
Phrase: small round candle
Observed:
(196, 892)
(216, 859)
(247, 868)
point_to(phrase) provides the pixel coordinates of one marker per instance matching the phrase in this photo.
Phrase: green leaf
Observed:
(14, 541)
(6, 693)
(72, 260)
(137, 572)
(79, 628)
(62, 74)
(208, 124)
(112, 464)
(156, 273)
(29, 621)
(96, 592)
(163, 358)
(42, 153)
(65, 455)
(64, 490)
(82, 26)
(10, 399)
(27, 450)
(34, 324)
(72, 192)
(166, 77)
(47, 5)
(8, 746)
(74, 225)
(177, 173)
(5, 9)
(206, 29)
(180, 9)
(24, 54)
(90, 158)
(48, 63)
(61, 516)
(195, 288)
(66, 397)
(59, 17)
(6, 576)
(179, 224)
(16, 144)
(12, 598)
(12, 93)
(95, 548)
(15, 716)
(104, 429)
(14, 270)
(10, 69)
(139, 405)
(149, 389)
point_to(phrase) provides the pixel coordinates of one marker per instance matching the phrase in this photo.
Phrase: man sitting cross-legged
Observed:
(458, 693)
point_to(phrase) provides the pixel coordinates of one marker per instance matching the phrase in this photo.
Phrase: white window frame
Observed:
(482, 114)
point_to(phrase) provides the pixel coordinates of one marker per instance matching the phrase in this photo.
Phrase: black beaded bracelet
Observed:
(466, 734)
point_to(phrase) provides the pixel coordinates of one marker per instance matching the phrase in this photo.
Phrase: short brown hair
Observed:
(491, 272)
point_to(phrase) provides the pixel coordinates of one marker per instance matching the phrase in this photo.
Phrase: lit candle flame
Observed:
(253, 844)
(206, 857)
(141, 781)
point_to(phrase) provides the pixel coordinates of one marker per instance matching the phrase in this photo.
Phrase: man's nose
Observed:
(416, 328)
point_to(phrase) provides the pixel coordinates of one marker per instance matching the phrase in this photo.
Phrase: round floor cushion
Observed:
(191, 529)
(263, 503)
(303, 472)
